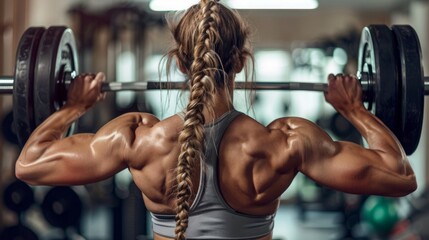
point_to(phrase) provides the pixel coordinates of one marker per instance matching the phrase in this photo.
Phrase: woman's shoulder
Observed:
(137, 117)
(249, 131)
(245, 121)
(290, 123)
(129, 125)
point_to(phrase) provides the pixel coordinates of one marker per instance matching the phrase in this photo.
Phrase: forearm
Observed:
(380, 139)
(47, 133)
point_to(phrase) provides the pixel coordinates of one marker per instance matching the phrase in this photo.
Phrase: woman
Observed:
(212, 172)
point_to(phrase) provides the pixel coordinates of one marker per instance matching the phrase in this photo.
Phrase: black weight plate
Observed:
(23, 101)
(377, 57)
(57, 53)
(411, 83)
(62, 207)
(8, 131)
(18, 196)
(18, 232)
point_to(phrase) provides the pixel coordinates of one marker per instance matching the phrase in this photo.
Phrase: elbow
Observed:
(407, 188)
(24, 174)
(19, 170)
(27, 168)
(411, 186)
(410, 182)
(21, 173)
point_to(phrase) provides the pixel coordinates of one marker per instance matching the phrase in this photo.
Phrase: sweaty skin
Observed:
(257, 163)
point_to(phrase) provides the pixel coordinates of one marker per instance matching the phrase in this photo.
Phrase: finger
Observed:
(348, 83)
(339, 75)
(340, 82)
(90, 75)
(96, 80)
(347, 79)
(80, 77)
(87, 78)
(353, 81)
(331, 79)
(93, 83)
(101, 76)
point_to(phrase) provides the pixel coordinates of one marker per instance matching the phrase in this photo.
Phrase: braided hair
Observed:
(210, 49)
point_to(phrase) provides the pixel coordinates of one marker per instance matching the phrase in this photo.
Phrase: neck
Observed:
(222, 104)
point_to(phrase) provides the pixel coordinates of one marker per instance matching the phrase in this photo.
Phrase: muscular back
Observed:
(256, 163)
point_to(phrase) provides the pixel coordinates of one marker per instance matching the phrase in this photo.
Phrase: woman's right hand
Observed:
(344, 93)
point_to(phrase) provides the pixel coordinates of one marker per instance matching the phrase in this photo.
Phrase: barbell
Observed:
(389, 70)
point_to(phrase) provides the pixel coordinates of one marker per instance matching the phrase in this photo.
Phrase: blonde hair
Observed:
(210, 48)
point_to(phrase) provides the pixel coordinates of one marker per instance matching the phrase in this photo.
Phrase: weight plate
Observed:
(62, 207)
(56, 55)
(411, 83)
(8, 130)
(18, 196)
(23, 84)
(18, 232)
(378, 59)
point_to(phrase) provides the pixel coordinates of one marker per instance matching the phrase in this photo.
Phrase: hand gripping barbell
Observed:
(389, 70)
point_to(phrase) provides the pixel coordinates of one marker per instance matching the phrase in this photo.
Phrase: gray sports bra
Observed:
(210, 216)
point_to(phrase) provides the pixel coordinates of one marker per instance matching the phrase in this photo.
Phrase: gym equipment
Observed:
(23, 113)
(389, 71)
(7, 124)
(18, 232)
(62, 207)
(381, 214)
(412, 87)
(18, 196)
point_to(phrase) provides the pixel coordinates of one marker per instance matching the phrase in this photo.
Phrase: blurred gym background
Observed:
(127, 40)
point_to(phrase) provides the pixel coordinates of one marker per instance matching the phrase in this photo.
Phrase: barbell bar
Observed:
(6, 86)
(389, 70)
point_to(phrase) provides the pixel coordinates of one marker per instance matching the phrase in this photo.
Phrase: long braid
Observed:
(202, 88)
(210, 49)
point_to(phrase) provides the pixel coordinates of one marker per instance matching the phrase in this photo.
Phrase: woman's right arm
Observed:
(380, 169)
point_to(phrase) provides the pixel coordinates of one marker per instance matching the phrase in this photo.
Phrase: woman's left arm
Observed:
(50, 159)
